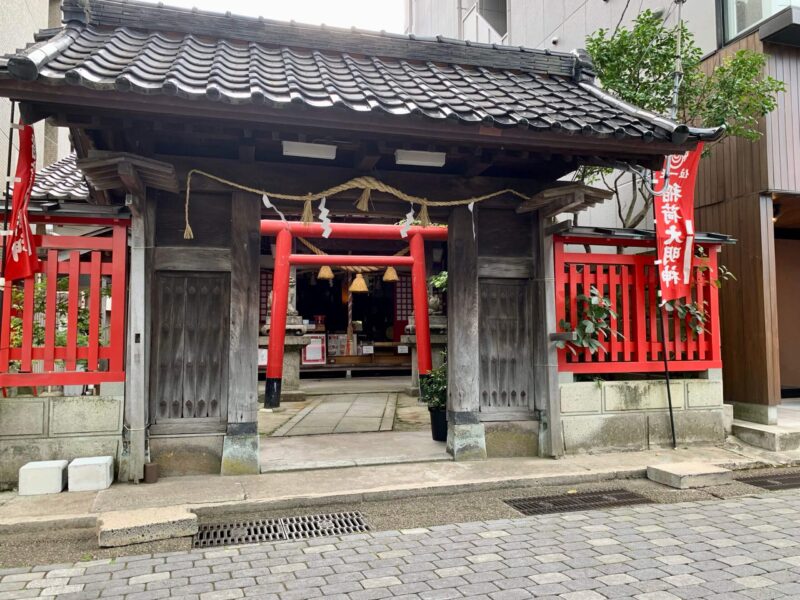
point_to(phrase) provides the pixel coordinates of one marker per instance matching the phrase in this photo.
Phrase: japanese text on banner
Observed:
(674, 216)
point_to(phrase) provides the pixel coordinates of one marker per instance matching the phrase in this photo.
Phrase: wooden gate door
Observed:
(189, 363)
(506, 365)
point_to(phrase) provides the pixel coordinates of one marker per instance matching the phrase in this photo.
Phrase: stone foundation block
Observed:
(240, 454)
(187, 455)
(42, 477)
(691, 427)
(91, 473)
(701, 393)
(604, 433)
(128, 527)
(684, 476)
(506, 439)
(755, 413)
(641, 395)
(581, 397)
(467, 441)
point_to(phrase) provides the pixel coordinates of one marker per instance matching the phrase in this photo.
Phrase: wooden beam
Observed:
(130, 178)
(340, 120)
(137, 368)
(243, 350)
(463, 343)
(545, 357)
(300, 179)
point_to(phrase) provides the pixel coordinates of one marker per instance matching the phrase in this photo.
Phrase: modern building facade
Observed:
(748, 190)
(21, 19)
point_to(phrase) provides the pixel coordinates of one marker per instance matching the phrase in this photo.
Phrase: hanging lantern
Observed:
(325, 272)
(390, 275)
(359, 285)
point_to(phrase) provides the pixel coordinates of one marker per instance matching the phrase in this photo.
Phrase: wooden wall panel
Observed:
(783, 124)
(734, 167)
(748, 306)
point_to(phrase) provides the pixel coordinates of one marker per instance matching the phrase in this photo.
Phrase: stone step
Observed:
(684, 476)
(769, 437)
(122, 528)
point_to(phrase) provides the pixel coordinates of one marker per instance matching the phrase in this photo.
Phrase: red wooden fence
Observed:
(629, 282)
(84, 262)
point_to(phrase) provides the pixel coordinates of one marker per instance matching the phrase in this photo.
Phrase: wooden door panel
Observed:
(190, 346)
(506, 364)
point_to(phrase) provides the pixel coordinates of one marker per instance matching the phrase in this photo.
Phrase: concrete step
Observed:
(769, 437)
(688, 475)
(122, 528)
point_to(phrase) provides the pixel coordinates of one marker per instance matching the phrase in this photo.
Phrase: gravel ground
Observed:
(401, 513)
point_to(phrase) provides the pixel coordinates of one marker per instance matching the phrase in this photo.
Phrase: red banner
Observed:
(674, 215)
(21, 258)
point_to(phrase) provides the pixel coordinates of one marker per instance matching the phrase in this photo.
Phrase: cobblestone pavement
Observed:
(747, 548)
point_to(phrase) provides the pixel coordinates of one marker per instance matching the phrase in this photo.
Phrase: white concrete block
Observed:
(91, 473)
(689, 475)
(703, 393)
(42, 477)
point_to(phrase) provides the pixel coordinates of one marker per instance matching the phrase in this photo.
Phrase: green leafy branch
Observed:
(594, 320)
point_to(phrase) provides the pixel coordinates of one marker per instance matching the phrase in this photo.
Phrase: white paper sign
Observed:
(402, 349)
(262, 356)
(367, 350)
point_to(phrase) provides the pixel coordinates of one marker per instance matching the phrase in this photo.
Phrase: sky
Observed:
(376, 15)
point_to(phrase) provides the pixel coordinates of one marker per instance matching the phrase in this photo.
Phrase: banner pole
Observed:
(7, 191)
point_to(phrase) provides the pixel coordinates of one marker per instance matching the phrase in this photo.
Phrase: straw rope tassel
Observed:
(308, 213)
(188, 234)
(423, 217)
(363, 200)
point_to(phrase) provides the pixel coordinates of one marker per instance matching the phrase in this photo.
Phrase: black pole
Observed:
(664, 337)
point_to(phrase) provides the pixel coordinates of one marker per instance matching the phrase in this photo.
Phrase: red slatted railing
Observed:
(59, 318)
(629, 282)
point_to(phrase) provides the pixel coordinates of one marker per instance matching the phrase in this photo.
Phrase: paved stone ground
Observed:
(343, 413)
(745, 549)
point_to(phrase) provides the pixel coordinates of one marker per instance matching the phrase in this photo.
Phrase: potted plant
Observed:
(433, 388)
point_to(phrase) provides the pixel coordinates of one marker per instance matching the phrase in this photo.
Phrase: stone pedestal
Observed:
(438, 347)
(438, 328)
(290, 382)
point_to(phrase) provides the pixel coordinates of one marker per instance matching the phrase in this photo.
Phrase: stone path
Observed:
(343, 413)
(748, 549)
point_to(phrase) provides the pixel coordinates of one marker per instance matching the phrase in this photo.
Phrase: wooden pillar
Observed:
(138, 339)
(420, 296)
(277, 327)
(465, 433)
(240, 449)
(545, 355)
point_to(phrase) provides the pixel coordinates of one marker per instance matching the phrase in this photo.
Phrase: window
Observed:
(740, 15)
(486, 21)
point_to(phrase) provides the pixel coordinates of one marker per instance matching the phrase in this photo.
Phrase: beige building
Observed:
(19, 21)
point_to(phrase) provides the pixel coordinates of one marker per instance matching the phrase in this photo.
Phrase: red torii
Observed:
(283, 232)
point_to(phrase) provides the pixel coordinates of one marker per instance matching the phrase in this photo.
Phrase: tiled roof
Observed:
(150, 49)
(62, 180)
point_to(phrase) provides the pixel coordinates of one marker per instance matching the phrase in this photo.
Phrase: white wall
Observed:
(534, 23)
(19, 21)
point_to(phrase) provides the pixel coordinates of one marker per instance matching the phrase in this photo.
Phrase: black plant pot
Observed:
(438, 424)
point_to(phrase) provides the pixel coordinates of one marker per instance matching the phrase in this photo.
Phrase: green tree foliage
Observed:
(638, 65)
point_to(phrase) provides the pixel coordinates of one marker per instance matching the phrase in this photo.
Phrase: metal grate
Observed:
(782, 481)
(277, 530)
(574, 502)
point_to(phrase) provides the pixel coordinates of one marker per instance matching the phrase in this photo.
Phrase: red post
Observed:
(277, 327)
(420, 296)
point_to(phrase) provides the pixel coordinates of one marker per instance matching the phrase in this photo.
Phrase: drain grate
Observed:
(573, 502)
(277, 530)
(782, 481)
